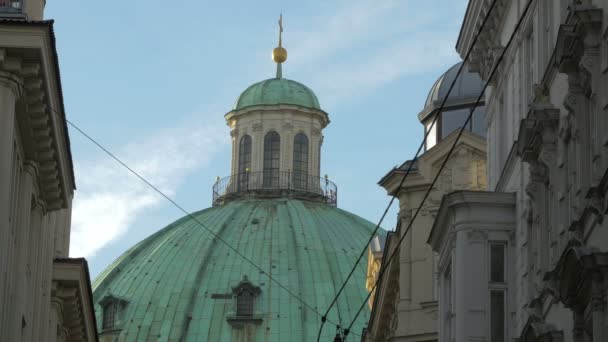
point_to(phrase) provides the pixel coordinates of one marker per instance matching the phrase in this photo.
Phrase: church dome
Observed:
(466, 89)
(182, 284)
(276, 91)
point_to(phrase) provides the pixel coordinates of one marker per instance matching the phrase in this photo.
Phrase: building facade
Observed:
(405, 304)
(44, 295)
(538, 238)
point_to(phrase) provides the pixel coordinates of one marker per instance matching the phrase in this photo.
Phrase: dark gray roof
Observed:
(467, 87)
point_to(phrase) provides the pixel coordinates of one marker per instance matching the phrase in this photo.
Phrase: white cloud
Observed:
(109, 198)
(368, 44)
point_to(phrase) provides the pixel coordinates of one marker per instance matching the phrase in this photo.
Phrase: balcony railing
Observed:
(10, 7)
(275, 183)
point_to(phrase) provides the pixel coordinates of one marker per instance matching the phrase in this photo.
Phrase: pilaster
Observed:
(10, 91)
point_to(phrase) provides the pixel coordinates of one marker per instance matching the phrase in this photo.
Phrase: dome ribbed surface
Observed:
(172, 279)
(276, 91)
(468, 85)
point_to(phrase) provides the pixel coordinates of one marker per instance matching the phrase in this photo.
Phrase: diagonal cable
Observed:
(479, 98)
(193, 218)
(409, 169)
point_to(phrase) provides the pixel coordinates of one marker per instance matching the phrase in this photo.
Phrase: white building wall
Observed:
(36, 189)
(558, 170)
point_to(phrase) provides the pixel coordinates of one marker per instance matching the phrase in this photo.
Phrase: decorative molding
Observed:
(288, 126)
(28, 82)
(477, 236)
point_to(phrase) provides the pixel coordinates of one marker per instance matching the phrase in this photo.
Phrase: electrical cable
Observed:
(409, 169)
(192, 217)
(494, 69)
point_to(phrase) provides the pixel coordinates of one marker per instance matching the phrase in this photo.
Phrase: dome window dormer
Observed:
(245, 294)
(112, 312)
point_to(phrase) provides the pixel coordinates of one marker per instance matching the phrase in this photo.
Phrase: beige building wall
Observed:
(406, 306)
(287, 121)
(44, 296)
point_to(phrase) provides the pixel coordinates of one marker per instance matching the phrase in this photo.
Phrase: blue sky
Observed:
(151, 80)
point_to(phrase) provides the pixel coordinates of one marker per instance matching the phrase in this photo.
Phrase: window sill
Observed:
(239, 321)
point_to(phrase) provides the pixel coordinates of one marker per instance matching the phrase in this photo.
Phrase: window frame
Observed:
(498, 287)
(245, 303)
(300, 162)
(110, 313)
(272, 146)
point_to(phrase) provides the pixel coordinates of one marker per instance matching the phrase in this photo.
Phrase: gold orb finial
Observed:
(279, 54)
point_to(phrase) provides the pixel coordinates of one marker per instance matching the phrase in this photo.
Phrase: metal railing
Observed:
(270, 182)
(11, 6)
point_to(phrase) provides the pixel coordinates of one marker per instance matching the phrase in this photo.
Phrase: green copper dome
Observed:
(180, 283)
(275, 91)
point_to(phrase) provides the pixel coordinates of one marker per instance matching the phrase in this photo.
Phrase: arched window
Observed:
(272, 150)
(245, 154)
(300, 161)
(244, 161)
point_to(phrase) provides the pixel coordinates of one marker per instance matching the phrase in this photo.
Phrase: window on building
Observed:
(109, 315)
(452, 120)
(272, 150)
(244, 161)
(431, 138)
(300, 161)
(497, 316)
(497, 263)
(245, 294)
(498, 291)
(244, 303)
(245, 154)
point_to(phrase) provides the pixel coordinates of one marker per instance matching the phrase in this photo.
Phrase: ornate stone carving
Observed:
(538, 172)
(477, 235)
(288, 126)
(541, 94)
(257, 127)
(597, 203)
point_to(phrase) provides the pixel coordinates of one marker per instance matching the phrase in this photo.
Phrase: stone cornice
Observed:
(486, 51)
(322, 115)
(416, 179)
(32, 59)
(451, 104)
(537, 132)
(72, 287)
(444, 221)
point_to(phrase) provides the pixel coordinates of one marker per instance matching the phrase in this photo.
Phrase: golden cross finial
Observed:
(280, 28)
(279, 54)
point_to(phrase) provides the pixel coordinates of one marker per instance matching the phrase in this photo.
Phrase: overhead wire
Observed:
(215, 235)
(409, 169)
(443, 164)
